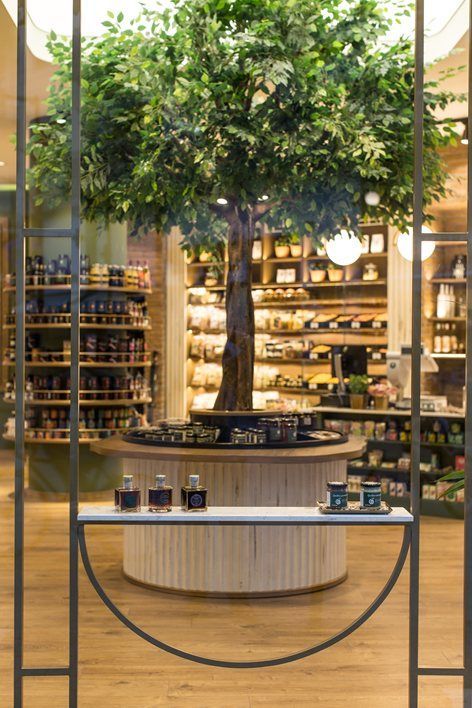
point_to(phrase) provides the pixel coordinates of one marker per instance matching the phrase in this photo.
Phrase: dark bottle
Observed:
(194, 496)
(128, 497)
(160, 496)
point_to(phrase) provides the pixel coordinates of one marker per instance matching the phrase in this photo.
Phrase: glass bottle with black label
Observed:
(194, 495)
(160, 496)
(128, 497)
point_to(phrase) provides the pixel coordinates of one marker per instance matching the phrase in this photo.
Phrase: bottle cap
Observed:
(160, 480)
(194, 480)
(128, 481)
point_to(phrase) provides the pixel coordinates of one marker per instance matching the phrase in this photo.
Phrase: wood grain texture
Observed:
(238, 561)
(117, 447)
(118, 670)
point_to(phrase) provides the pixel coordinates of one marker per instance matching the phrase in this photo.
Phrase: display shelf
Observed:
(59, 441)
(298, 332)
(243, 515)
(88, 364)
(111, 402)
(448, 281)
(423, 443)
(375, 303)
(346, 283)
(392, 412)
(362, 257)
(447, 319)
(447, 356)
(91, 288)
(46, 325)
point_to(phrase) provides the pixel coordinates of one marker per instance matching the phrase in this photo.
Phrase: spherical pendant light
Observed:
(372, 198)
(405, 245)
(344, 248)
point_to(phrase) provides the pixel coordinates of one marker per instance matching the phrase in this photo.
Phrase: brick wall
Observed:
(151, 248)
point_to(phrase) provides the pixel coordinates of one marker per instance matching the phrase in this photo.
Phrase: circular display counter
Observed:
(237, 561)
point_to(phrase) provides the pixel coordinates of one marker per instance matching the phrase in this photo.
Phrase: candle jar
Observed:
(289, 427)
(336, 497)
(371, 495)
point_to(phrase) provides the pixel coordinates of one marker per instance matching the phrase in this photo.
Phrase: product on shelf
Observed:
(54, 423)
(336, 495)
(194, 495)
(128, 497)
(92, 311)
(96, 388)
(57, 271)
(160, 496)
(280, 295)
(371, 495)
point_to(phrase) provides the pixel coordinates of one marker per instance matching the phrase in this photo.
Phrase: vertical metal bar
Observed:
(74, 366)
(416, 352)
(20, 355)
(467, 685)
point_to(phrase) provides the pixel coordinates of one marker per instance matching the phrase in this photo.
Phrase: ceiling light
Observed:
(372, 198)
(264, 198)
(405, 245)
(221, 200)
(344, 249)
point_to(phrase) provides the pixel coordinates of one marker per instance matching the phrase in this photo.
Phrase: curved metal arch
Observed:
(249, 664)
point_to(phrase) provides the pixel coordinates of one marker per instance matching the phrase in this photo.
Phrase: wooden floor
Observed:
(117, 669)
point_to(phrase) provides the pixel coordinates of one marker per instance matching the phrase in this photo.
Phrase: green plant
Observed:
(457, 479)
(283, 240)
(213, 115)
(358, 383)
(334, 266)
(316, 265)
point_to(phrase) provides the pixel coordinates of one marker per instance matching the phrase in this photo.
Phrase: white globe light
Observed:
(222, 201)
(344, 248)
(405, 245)
(372, 198)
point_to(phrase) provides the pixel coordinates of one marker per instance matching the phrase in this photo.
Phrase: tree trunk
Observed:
(238, 357)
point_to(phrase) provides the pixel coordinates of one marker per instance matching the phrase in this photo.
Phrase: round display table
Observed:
(237, 561)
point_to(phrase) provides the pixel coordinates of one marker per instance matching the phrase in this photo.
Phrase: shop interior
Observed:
(332, 352)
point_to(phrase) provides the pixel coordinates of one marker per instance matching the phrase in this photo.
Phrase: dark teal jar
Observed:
(336, 497)
(371, 495)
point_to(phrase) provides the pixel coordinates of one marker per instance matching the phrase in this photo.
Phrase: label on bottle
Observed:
(195, 500)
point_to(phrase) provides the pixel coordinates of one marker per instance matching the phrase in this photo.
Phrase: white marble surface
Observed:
(301, 515)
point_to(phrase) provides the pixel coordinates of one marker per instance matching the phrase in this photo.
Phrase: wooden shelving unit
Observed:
(352, 295)
(53, 332)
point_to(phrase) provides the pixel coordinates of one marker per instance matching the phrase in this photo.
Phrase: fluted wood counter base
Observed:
(237, 561)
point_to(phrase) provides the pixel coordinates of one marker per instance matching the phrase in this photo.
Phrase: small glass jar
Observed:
(289, 427)
(274, 430)
(238, 436)
(336, 496)
(371, 495)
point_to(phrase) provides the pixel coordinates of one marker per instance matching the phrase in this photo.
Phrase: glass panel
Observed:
(239, 155)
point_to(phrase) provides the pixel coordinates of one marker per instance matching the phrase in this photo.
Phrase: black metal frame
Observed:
(411, 535)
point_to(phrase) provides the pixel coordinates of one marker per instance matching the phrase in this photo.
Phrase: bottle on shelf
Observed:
(160, 496)
(194, 495)
(128, 497)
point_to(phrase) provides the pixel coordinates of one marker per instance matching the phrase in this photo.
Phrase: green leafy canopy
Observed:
(300, 101)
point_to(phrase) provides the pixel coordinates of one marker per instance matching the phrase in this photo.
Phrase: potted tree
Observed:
(358, 386)
(213, 116)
